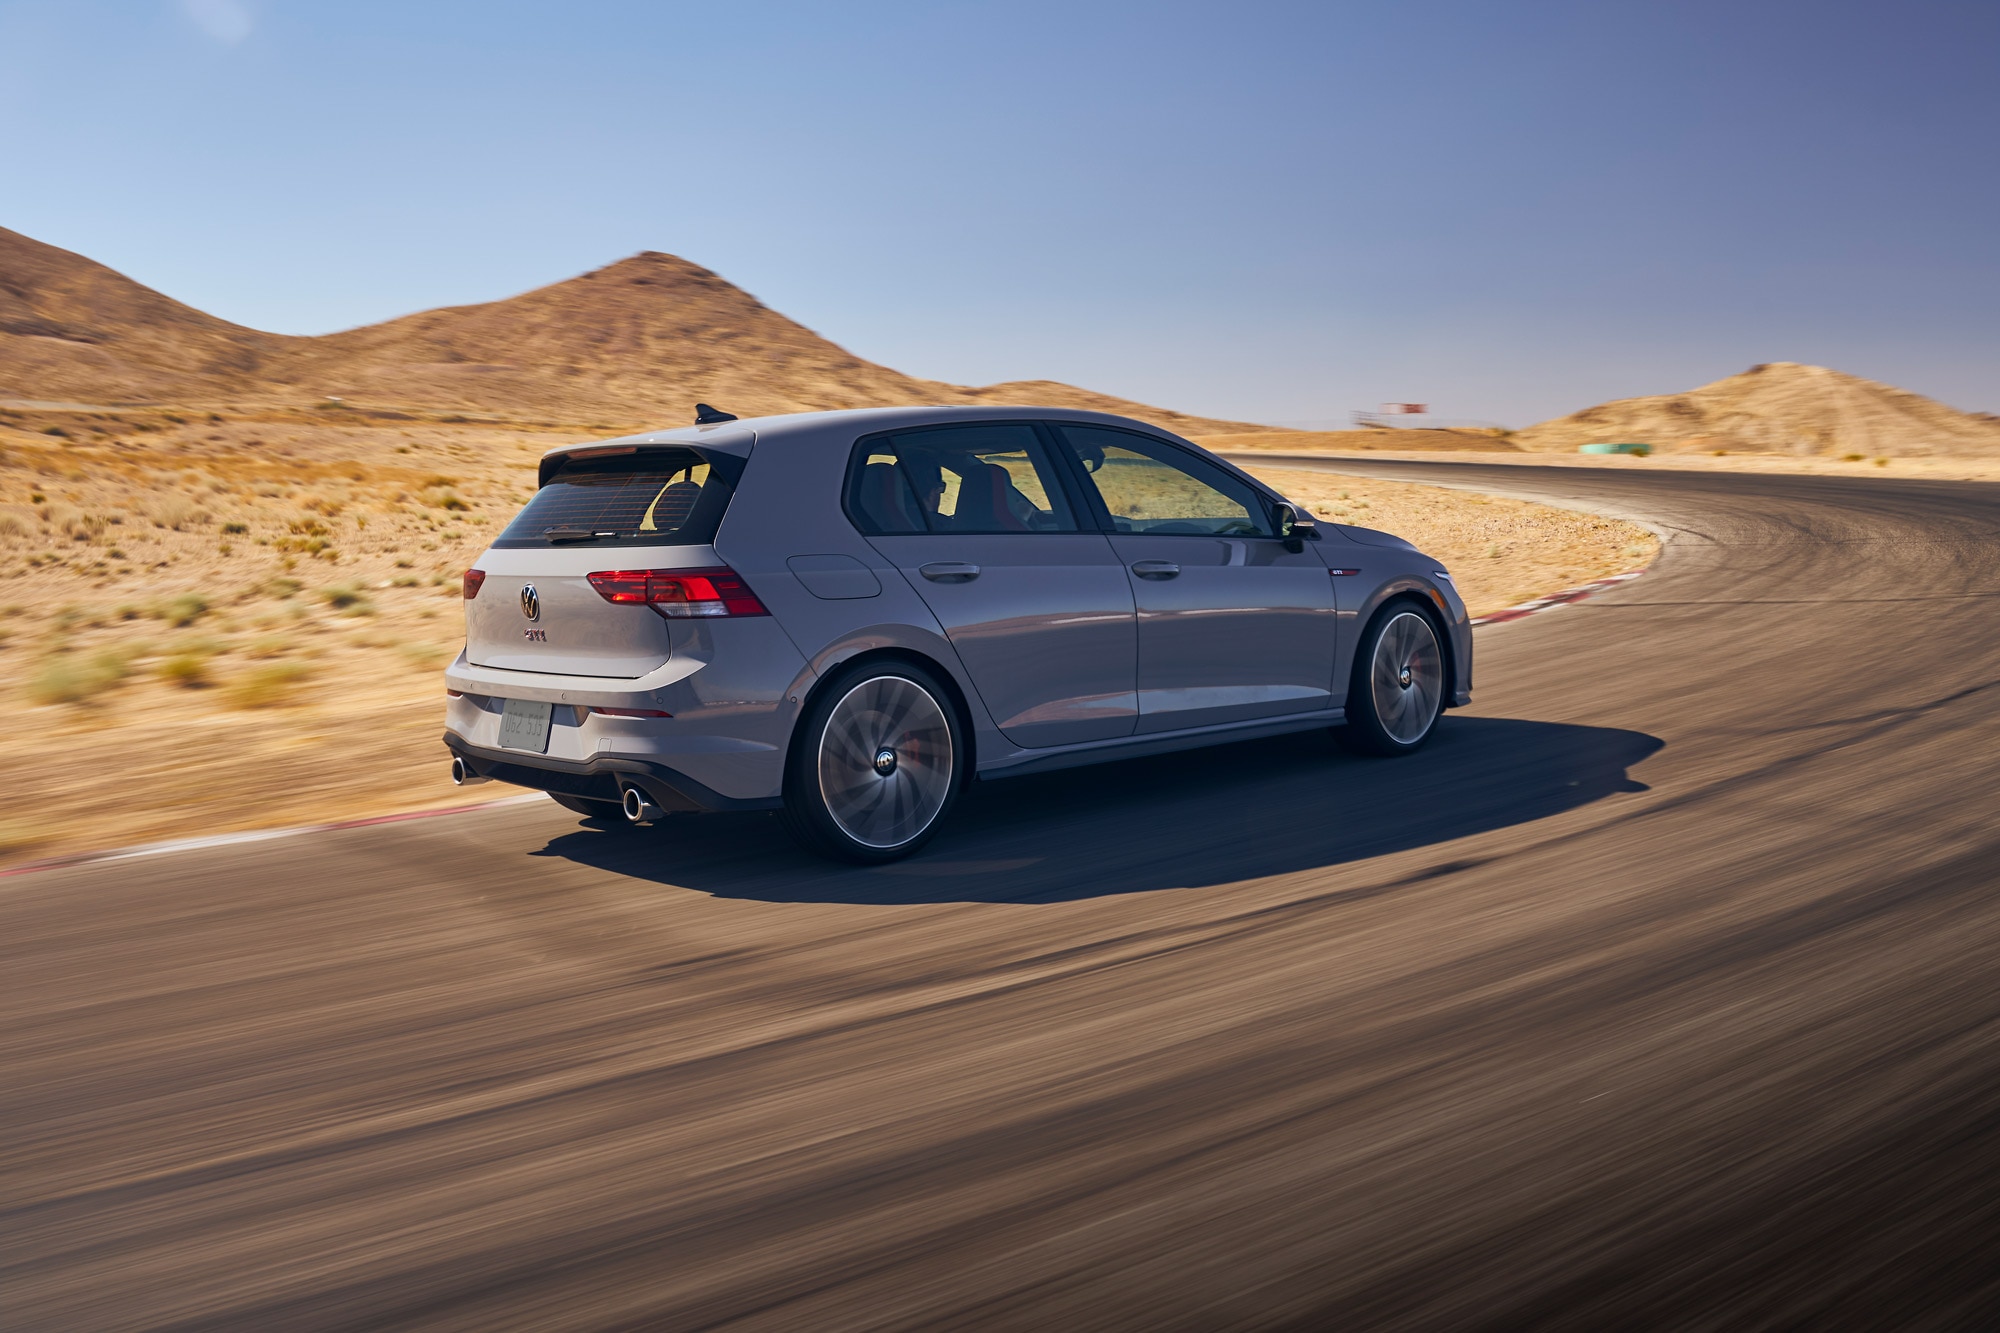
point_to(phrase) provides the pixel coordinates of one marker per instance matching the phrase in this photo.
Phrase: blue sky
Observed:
(1278, 212)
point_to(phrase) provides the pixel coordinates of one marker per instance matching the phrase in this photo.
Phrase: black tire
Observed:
(1396, 692)
(890, 723)
(609, 812)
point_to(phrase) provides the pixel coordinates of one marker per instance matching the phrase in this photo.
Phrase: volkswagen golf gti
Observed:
(846, 617)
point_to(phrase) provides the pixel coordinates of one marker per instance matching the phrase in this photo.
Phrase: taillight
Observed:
(473, 578)
(680, 592)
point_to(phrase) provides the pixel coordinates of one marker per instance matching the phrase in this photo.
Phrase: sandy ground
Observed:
(214, 622)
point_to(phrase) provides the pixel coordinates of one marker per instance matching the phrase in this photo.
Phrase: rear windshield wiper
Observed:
(573, 534)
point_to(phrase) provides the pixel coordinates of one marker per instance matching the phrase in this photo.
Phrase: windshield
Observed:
(657, 497)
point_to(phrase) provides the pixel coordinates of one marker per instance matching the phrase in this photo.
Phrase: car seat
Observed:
(885, 502)
(983, 492)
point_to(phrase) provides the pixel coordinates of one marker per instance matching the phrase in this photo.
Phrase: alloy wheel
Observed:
(1406, 677)
(885, 761)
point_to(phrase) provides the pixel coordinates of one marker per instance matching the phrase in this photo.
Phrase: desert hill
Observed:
(72, 328)
(639, 340)
(1783, 408)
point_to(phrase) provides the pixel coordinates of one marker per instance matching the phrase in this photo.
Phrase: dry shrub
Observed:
(185, 609)
(68, 679)
(265, 686)
(442, 498)
(83, 526)
(423, 656)
(173, 511)
(14, 523)
(188, 670)
(348, 598)
(308, 537)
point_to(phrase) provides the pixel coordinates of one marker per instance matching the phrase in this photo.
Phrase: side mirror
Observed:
(1293, 525)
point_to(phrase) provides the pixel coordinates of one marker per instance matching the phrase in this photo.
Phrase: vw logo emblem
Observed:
(531, 602)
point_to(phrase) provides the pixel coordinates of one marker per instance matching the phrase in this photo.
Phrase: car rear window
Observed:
(650, 497)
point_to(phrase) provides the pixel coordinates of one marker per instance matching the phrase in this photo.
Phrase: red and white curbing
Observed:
(254, 835)
(1563, 598)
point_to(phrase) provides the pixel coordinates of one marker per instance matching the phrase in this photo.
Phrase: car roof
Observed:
(737, 437)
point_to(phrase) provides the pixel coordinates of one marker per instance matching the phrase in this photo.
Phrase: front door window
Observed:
(1149, 486)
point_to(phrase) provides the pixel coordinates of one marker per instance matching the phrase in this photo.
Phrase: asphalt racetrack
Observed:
(1662, 990)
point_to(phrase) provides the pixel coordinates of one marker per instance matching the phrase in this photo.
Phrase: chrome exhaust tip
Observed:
(638, 809)
(461, 776)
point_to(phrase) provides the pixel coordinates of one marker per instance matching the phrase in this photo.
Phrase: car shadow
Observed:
(1198, 817)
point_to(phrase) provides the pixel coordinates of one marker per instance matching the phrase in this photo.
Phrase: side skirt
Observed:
(1133, 747)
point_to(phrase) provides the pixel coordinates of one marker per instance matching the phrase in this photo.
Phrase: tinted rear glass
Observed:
(655, 497)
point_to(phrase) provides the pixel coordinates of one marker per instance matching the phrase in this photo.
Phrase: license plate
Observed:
(525, 725)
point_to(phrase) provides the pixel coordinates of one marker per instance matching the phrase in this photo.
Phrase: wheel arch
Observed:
(887, 655)
(1413, 597)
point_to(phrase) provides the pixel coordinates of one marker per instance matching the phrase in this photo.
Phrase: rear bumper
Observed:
(600, 778)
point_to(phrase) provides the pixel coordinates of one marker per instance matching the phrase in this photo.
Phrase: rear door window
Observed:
(985, 479)
(658, 497)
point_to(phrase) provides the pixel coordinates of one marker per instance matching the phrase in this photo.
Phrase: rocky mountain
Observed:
(640, 340)
(1781, 407)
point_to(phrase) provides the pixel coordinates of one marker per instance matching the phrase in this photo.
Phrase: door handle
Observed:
(1156, 569)
(949, 571)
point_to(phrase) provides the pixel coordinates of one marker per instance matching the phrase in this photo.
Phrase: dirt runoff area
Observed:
(223, 621)
(1500, 552)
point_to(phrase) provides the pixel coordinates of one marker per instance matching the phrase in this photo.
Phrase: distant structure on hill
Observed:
(1386, 417)
(1403, 416)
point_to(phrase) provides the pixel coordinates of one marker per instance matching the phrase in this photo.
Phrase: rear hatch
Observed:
(600, 511)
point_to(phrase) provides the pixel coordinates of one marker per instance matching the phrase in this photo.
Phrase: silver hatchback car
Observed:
(847, 616)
